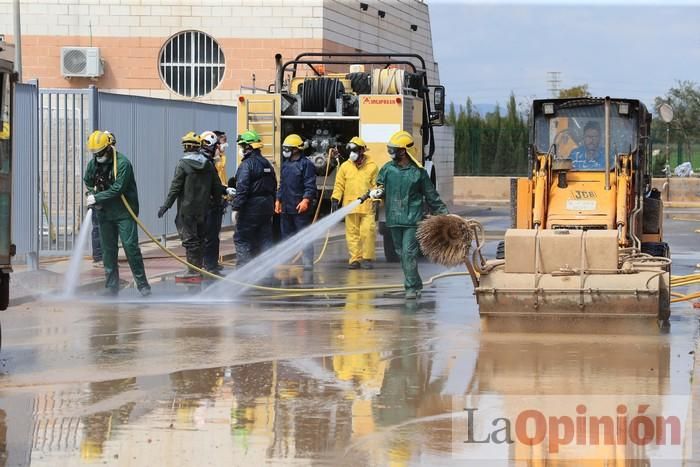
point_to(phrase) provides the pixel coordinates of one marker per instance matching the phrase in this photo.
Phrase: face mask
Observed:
(244, 151)
(287, 154)
(354, 156)
(392, 153)
(223, 146)
(103, 156)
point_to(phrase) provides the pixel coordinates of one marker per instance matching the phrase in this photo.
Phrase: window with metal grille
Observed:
(191, 63)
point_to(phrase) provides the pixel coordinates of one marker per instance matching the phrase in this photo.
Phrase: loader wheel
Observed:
(501, 250)
(4, 291)
(651, 221)
(664, 306)
(661, 250)
(658, 249)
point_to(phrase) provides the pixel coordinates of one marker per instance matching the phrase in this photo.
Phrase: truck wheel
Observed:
(4, 291)
(389, 252)
(501, 250)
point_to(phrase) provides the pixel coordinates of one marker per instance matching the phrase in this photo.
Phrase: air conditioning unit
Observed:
(81, 62)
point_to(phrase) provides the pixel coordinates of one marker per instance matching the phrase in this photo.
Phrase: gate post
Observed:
(94, 109)
(32, 257)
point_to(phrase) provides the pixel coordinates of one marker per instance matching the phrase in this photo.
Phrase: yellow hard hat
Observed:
(357, 141)
(192, 138)
(293, 141)
(401, 140)
(98, 140)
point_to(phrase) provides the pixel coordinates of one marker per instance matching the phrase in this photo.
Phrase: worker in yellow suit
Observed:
(220, 156)
(355, 178)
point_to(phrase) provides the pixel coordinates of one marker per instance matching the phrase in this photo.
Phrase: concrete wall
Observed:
(466, 189)
(686, 189)
(131, 33)
(443, 159)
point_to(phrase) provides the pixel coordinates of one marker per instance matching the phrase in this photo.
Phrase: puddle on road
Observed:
(371, 381)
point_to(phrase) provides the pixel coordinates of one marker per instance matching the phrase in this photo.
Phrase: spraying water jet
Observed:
(72, 277)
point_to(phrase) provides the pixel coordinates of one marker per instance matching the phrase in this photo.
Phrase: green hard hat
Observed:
(248, 137)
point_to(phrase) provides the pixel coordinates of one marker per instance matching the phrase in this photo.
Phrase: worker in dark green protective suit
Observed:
(105, 191)
(405, 185)
(194, 186)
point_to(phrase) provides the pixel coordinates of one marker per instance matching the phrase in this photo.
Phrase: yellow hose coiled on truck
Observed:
(387, 81)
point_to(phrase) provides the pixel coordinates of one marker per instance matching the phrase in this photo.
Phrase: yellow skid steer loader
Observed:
(588, 233)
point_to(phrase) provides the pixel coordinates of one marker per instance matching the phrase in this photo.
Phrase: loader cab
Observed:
(588, 156)
(575, 130)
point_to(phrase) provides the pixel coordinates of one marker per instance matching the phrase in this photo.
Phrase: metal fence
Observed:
(66, 118)
(148, 133)
(50, 130)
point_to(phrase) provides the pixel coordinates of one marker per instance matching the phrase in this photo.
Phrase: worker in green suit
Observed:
(109, 178)
(405, 185)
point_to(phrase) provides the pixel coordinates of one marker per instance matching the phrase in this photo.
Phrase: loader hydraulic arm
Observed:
(542, 177)
(624, 177)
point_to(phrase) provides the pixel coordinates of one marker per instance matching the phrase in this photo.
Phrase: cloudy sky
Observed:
(621, 48)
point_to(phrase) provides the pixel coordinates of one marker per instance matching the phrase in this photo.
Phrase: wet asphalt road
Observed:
(362, 379)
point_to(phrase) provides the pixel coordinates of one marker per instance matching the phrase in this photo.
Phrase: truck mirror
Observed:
(439, 97)
(437, 112)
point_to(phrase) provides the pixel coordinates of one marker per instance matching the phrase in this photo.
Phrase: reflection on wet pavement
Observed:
(365, 379)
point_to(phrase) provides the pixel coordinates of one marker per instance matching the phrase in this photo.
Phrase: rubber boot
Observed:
(195, 259)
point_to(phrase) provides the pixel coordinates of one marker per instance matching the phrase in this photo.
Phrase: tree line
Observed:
(493, 144)
(496, 143)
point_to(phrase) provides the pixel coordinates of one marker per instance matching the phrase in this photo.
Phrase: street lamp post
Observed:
(666, 114)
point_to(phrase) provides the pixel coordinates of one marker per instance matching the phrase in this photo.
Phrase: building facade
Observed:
(206, 49)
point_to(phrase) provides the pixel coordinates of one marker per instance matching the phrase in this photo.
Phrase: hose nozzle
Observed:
(364, 197)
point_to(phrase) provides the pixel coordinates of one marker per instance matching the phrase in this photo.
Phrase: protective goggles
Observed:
(392, 150)
(289, 148)
(352, 147)
(104, 152)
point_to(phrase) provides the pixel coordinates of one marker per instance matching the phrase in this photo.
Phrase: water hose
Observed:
(313, 291)
(676, 281)
(318, 211)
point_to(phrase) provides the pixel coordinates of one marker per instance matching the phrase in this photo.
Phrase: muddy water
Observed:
(359, 380)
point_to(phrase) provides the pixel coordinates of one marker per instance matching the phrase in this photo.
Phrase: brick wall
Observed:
(130, 34)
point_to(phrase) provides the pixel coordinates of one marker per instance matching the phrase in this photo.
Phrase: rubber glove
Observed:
(161, 211)
(91, 200)
(377, 193)
(231, 192)
(278, 207)
(334, 204)
(303, 206)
